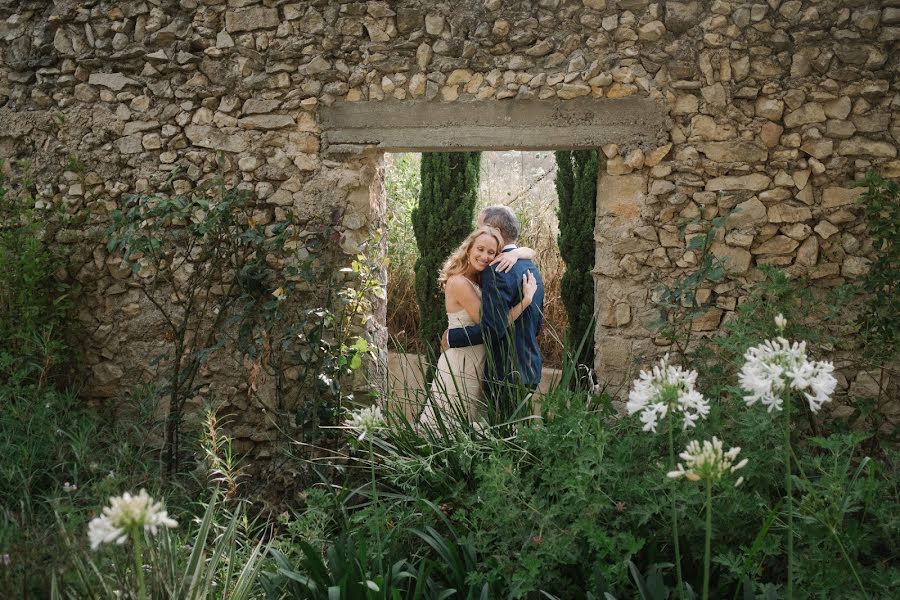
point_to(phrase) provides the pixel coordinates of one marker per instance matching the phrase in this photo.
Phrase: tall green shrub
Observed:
(576, 186)
(441, 221)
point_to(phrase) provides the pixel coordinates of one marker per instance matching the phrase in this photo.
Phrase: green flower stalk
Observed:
(710, 463)
(773, 373)
(130, 516)
(668, 391)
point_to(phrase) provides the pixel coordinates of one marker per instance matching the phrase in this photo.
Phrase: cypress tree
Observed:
(576, 186)
(443, 218)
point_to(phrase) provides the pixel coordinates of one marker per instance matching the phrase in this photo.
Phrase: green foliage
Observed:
(542, 523)
(345, 573)
(402, 185)
(681, 303)
(441, 221)
(217, 558)
(576, 186)
(34, 305)
(190, 256)
(880, 320)
(307, 336)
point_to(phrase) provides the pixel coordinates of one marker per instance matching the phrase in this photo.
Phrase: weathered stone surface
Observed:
(808, 252)
(770, 134)
(811, 112)
(859, 146)
(780, 244)
(769, 109)
(114, 81)
(751, 213)
(733, 151)
(819, 149)
(826, 229)
(836, 196)
(106, 373)
(621, 196)
(271, 121)
(789, 213)
(249, 19)
(682, 16)
(755, 182)
(855, 266)
(215, 139)
(736, 260)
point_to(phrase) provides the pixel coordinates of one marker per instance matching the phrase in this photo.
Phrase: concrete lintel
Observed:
(496, 125)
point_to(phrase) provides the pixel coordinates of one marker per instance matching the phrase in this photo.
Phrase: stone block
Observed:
(835, 196)
(808, 252)
(770, 134)
(751, 213)
(621, 196)
(819, 149)
(213, 138)
(250, 19)
(780, 244)
(113, 81)
(736, 260)
(266, 122)
(708, 321)
(789, 213)
(811, 112)
(859, 146)
(735, 151)
(855, 266)
(755, 182)
(770, 109)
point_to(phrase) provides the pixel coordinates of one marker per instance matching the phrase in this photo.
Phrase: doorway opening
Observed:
(521, 180)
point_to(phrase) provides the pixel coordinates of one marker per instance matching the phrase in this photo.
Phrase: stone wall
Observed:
(773, 107)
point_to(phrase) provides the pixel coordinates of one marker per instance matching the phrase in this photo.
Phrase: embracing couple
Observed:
(494, 298)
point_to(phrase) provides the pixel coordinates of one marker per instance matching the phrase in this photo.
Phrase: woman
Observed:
(457, 382)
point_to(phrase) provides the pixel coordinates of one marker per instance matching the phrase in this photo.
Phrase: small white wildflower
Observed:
(664, 390)
(780, 322)
(776, 365)
(69, 487)
(709, 461)
(365, 421)
(123, 515)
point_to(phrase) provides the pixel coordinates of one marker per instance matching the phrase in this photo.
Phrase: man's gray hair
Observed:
(503, 219)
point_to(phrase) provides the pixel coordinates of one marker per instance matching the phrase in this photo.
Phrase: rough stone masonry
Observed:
(770, 108)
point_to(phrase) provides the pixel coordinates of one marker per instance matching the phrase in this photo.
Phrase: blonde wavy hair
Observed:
(459, 258)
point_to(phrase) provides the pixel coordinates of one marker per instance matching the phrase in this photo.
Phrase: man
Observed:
(513, 361)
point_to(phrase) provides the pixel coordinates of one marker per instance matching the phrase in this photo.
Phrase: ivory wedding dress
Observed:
(456, 388)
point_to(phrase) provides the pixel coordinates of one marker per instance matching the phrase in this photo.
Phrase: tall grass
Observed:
(539, 231)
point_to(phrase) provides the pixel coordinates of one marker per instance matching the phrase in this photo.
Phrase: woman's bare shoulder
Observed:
(458, 284)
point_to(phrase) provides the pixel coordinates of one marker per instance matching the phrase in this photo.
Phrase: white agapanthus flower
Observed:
(664, 390)
(709, 461)
(780, 322)
(365, 421)
(124, 514)
(779, 365)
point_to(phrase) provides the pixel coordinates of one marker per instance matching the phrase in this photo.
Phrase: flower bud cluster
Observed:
(710, 462)
(365, 421)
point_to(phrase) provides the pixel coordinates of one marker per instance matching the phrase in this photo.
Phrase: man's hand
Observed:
(445, 342)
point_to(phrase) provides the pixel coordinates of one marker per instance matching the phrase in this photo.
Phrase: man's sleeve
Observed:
(496, 299)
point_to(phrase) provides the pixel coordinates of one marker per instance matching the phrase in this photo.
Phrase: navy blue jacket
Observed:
(512, 350)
